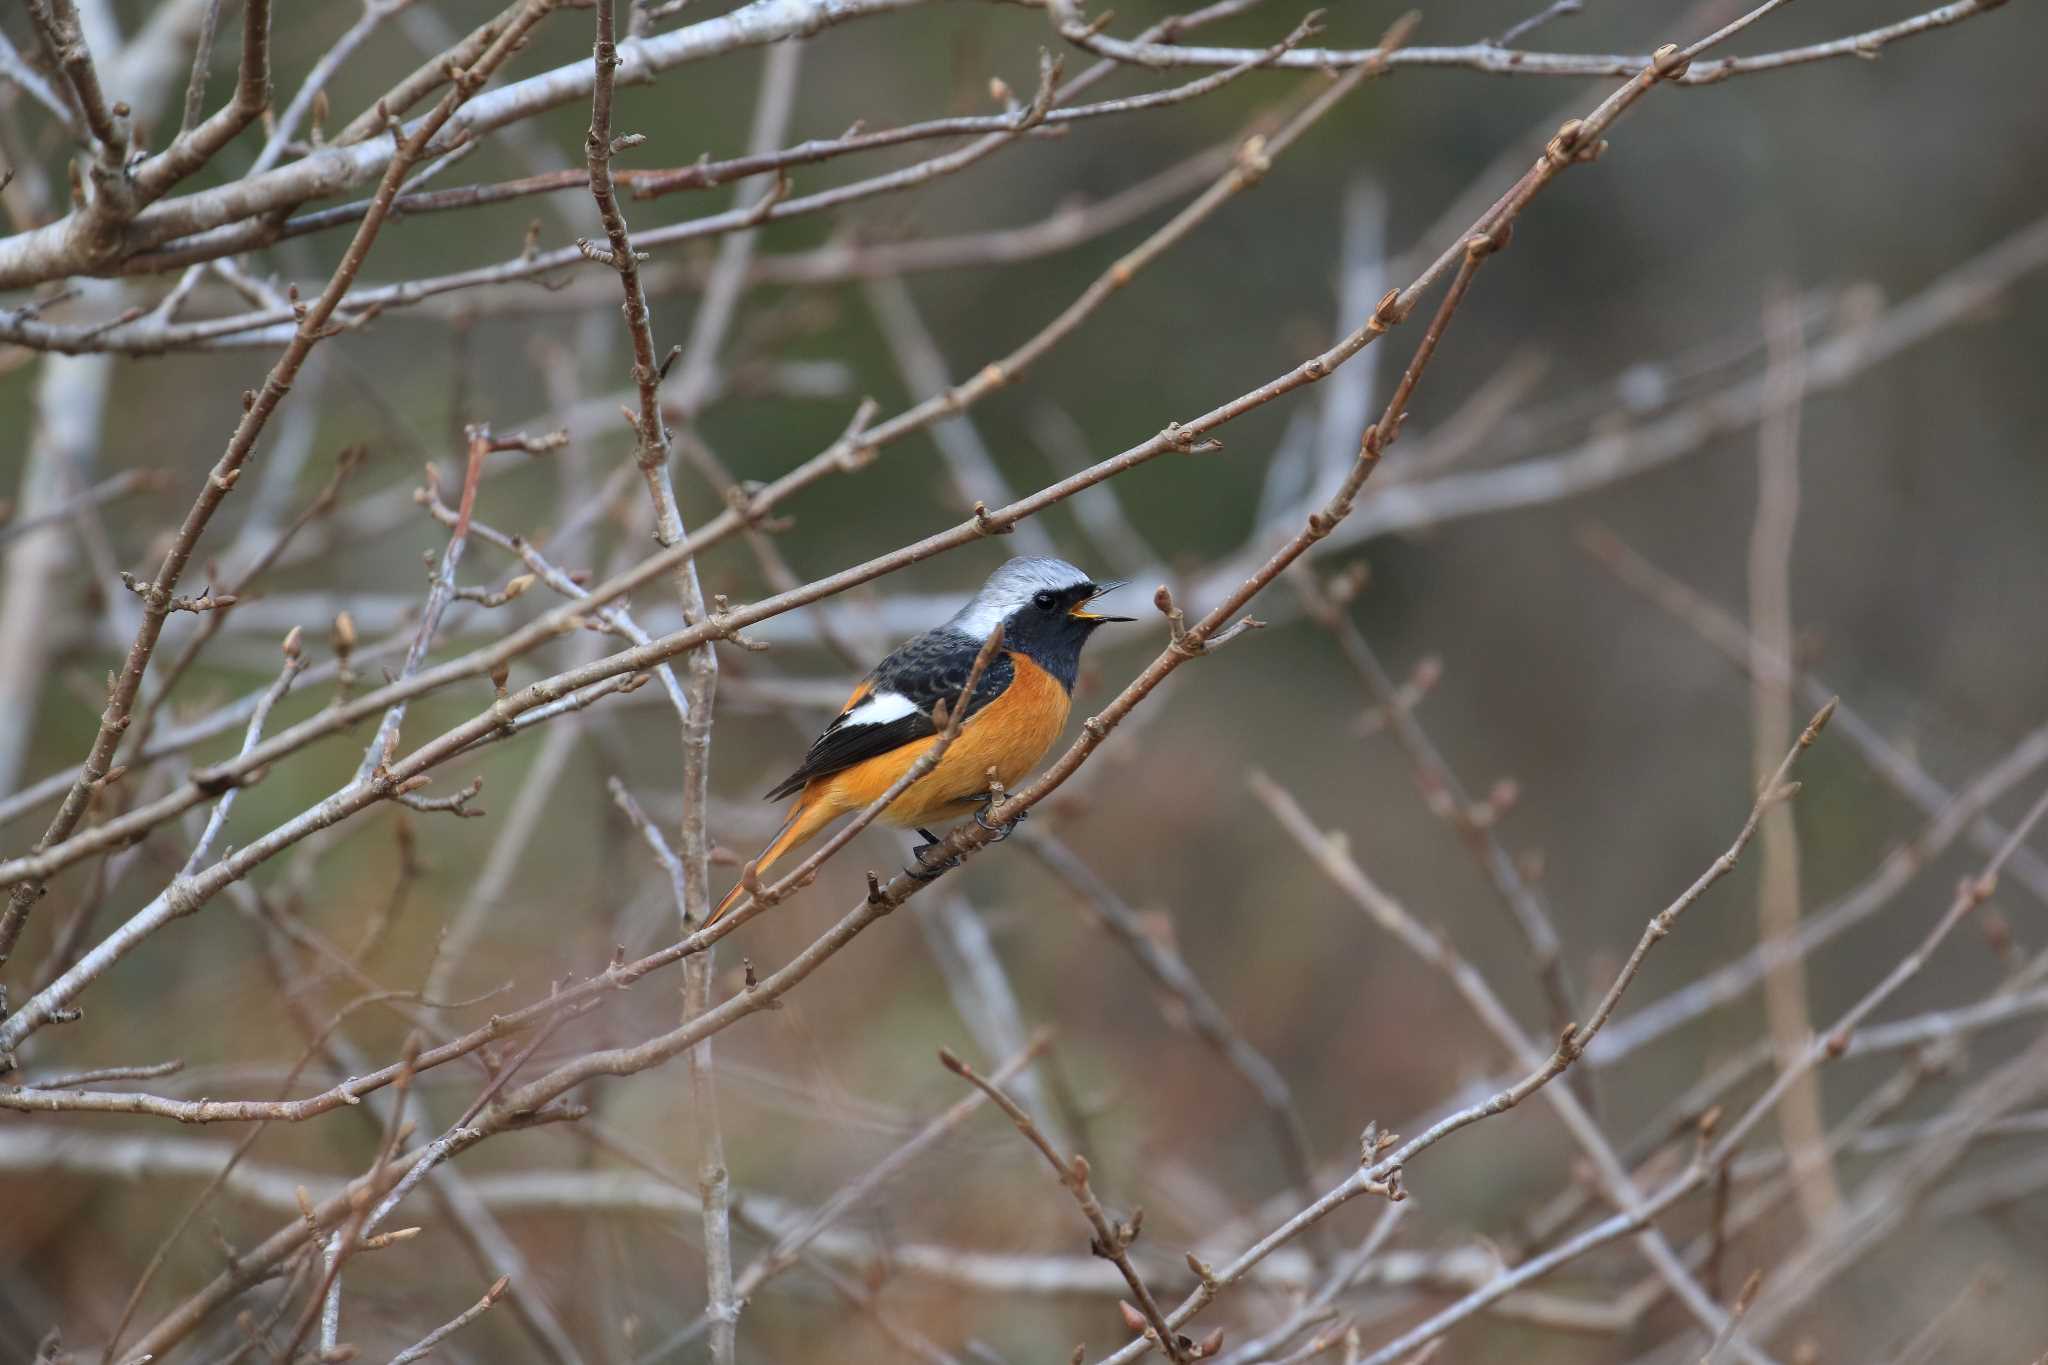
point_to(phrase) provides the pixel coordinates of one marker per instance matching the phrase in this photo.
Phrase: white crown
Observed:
(1011, 587)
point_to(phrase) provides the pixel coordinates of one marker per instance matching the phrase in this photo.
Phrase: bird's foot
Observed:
(927, 870)
(1003, 830)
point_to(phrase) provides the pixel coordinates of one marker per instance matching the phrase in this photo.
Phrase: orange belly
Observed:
(1008, 736)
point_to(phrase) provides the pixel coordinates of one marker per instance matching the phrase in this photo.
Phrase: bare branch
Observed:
(1495, 59)
(1112, 1239)
(424, 1347)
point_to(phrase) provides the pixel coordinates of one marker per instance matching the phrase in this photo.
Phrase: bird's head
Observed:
(1042, 605)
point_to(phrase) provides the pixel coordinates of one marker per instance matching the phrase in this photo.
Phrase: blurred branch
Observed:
(1885, 1201)
(975, 475)
(1728, 635)
(1955, 297)
(1171, 974)
(1876, 891)
(122, 485)
(69, 411)
(1973, 892)
(1770, 612)
(964, 951)
(1448, 800)
(424, 1347)
(179, 739)
(1497, 60)
(16, 71)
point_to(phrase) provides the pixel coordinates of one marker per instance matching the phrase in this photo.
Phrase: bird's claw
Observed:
(926, 870)
(1005, 829)
(930, 872)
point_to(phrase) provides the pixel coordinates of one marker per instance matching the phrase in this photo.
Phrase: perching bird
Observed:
(1018, 709)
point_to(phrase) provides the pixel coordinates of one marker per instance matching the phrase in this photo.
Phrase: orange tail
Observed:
(808, 816)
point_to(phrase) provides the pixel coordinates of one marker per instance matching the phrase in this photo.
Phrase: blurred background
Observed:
(1631, 309)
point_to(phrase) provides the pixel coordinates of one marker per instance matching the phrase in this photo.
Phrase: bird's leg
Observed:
(1002, 831)
(926, 870)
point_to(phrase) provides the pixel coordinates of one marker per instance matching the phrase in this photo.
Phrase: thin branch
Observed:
(122, 485)
(424, 1347)
(440, 592)
(657, 844)
(1496, 60)
(101, 1075)
(294, 664)
(1786, 1010)
(1112, 1239)
(15, 69)
(222, 1173)
(1886, 1200)
(1522, 28)
(202, 68)
(46, 253)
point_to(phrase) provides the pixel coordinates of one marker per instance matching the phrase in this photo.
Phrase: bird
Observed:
(1018, 708)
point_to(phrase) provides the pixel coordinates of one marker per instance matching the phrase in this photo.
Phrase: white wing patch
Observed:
(878, 708)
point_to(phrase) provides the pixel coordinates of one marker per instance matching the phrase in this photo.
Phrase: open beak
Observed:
(1081, 613)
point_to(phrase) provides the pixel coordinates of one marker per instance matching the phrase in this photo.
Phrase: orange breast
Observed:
(1009, 735)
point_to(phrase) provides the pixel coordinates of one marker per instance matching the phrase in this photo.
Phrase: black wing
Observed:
(932, 668)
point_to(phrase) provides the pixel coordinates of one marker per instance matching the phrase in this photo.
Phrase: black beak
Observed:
(1101, 590)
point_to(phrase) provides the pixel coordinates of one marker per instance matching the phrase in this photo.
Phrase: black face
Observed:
(1053, 626)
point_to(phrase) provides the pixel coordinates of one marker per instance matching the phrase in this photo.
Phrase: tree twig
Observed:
(1112, 1240)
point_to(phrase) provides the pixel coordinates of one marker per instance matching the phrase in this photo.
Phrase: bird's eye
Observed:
(1045, 601)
